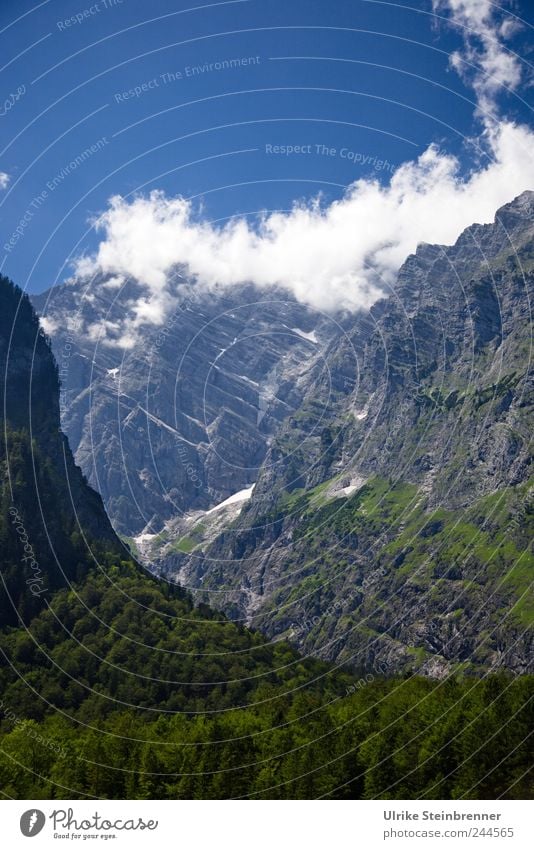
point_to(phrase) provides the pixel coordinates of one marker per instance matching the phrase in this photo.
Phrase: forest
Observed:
(114, 684)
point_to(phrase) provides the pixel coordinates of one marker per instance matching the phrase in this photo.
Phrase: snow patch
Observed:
(236, 498)
(345, 488)
(311, 337)
(224, 350)
(113, 372)
(247, 379)
(163, 424)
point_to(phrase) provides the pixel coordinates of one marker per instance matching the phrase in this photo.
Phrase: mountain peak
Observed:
(520, 208)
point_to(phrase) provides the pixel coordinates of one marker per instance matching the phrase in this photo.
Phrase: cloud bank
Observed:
(4, 180)
(343, 255)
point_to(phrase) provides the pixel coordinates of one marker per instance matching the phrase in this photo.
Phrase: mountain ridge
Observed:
(435, 428)
(119, 687)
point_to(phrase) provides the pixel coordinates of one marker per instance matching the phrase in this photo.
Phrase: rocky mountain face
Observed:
(115, 686)
(179, 417)
(389, 524)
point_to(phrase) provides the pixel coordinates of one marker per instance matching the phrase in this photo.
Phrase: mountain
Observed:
(114, 685)
(391, 520)
(177, 417)
(87, 637)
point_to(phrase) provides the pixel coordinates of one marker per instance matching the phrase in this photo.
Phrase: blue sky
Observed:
(241, 106)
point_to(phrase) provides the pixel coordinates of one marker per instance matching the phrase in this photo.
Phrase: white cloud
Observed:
(338, 256)
(334, 257)
(4, 180)
(485, 62)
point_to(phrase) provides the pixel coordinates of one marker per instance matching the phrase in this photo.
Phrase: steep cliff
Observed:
(178, 416)
(390, 522)
(50, 519)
